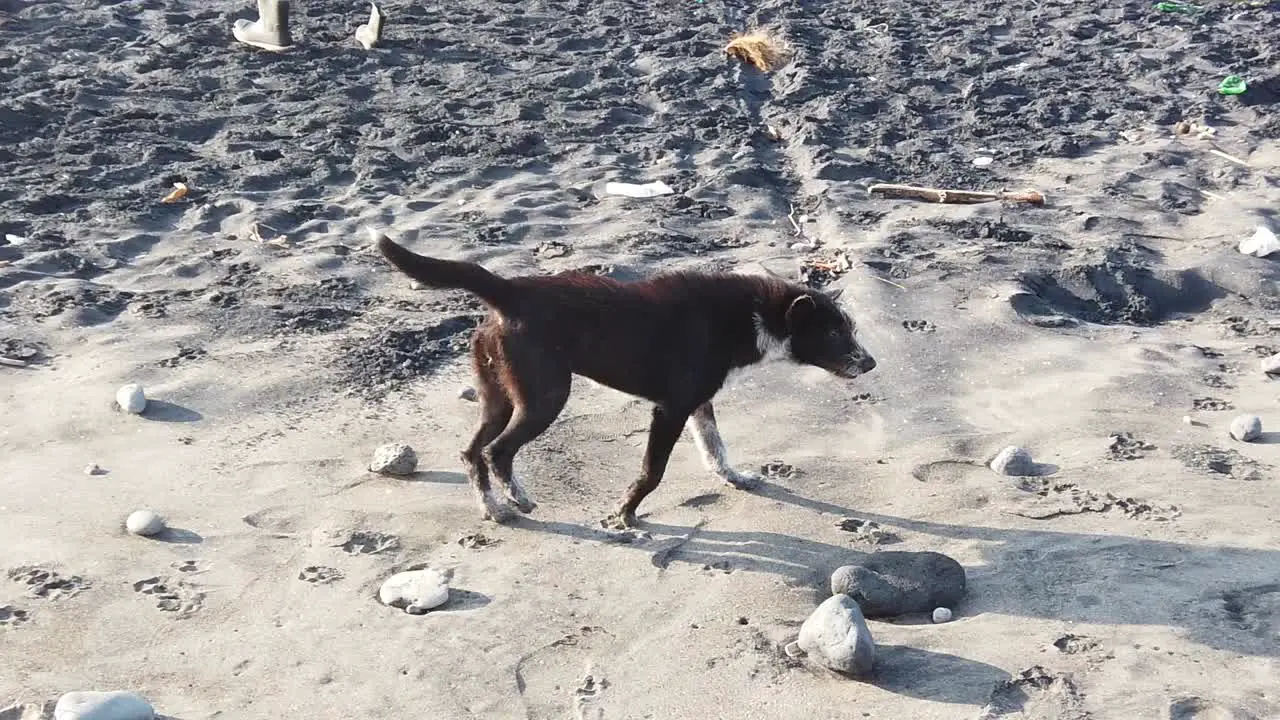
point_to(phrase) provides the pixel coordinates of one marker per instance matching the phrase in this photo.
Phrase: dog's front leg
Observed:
(707, 436)
(664, 431)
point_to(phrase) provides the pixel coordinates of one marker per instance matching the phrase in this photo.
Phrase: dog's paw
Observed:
(743, 480)
(498, 510)
(619, 521)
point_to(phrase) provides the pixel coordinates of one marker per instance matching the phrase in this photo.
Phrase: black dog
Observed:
(671, 339)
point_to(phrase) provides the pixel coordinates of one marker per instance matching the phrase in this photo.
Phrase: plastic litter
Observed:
(1232, 85)
(1262, 243)
(1184, 8)
(648, 190)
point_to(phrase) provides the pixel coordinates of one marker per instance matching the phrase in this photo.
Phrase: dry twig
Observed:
(961, 197)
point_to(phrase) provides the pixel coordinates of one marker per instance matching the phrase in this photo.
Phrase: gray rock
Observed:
(415, 591)
(1271, 365)
(394, 459)
(131, 398)
(468, 394)
(117, 705)
(836, 636)
(1013, 461)
(891, 583)
(145, 523)
(1246, 428)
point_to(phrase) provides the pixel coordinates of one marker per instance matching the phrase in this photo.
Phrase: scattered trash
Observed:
(632, 190)
(180, 191)
(1193, 127)
(983, 161)
(15, 239)
(758, 49)
(370, 34)
(1232, 85)
(1262, 243)
(817, 272)
(256, 234)
(1032, 197)
(1183, 8)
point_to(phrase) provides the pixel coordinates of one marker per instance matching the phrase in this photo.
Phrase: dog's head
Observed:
(825, 336)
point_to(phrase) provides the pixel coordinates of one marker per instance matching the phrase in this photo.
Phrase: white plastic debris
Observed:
(648, 190)
(1262, 243)
(983, 161)
(15, 239)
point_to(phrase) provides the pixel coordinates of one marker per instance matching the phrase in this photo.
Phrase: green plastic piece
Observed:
(1232, 85)
(1177, 7)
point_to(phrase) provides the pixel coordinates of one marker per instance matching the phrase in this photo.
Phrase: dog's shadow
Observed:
(1222, 597)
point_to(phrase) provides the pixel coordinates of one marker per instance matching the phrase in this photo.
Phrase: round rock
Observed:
(131, 398)
(1013, 461)
(415, 591)
(1246, 428)
(836, 636)
(145, 523)
(1271, 365)
(116, 705)
(468, 394)
(941, 615)
(892, 583)
(394, 459)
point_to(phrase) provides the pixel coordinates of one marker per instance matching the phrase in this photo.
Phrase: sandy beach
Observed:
(1114, 332)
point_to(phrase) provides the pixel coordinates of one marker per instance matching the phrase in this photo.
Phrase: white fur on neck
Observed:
(771, 346)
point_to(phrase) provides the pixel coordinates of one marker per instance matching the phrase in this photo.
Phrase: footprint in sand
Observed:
(43, 582)
(1035, 693)
(1209, 404)
(175, 596)
(320, 575)
(552, 681)
(1198, 708)
(11, 616)
(364, 542)
(920, 326)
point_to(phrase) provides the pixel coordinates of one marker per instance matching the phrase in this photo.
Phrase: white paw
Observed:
(743, 480)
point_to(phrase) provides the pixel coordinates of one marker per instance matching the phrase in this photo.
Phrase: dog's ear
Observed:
(800, 307)
(835, 294)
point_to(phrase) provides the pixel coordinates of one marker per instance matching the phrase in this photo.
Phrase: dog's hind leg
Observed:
(711, 446)
(532, 415)
(664, 431)
(495, 414)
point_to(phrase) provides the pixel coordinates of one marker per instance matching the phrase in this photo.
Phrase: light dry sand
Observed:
(276, 382)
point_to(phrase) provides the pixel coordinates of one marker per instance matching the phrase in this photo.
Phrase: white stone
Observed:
(394, 459)
(415, 591)
(1013, 461)
(941, 615)
(117, 705)
(632, 190)
(1271, 365)
(145, 523)
(836, 636)
(983, 161)
(1246, 428)
(132, 398)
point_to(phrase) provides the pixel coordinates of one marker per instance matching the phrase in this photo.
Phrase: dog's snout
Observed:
(866, 364)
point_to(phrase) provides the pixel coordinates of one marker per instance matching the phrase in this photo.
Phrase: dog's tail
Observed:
(446, 274)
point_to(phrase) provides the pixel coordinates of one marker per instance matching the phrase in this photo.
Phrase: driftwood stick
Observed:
(12, 362)
(963, 197)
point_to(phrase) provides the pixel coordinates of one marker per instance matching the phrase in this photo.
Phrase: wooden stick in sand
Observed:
(963, 197)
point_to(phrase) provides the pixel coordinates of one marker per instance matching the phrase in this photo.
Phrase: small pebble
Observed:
(145, 523)
(131, 398)
(117, 705)
(93, 469)
(1187, 419)
(415, 591)
(394, 459)
(1013, 461)
(1246, 428)
(941, 615)
(1271, 365)
(468, 394)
